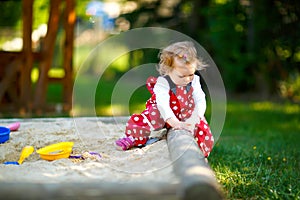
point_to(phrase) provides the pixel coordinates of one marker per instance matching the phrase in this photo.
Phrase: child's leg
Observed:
(139, 127)
(204, 137)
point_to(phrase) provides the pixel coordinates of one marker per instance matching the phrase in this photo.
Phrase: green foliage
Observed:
(40, 13)
(227, 27)
(249, 40)
(290, 89)
(11, 12)
(257, 156)
(104, 93)
(81, 7)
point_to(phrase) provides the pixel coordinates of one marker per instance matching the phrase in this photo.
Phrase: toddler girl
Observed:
(177, 100)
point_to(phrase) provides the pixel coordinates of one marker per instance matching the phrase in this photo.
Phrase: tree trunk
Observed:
(47, 54)
(25, 79)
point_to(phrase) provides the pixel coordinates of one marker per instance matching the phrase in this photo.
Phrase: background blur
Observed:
(255, 44)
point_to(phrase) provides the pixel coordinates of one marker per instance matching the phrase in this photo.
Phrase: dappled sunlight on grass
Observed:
(257, 155)
(270, 106)
(121, 64)
(292, 109)
(53, 72)
(111, 110)
(81, 111)
(119, 110)
(262, 118)
(137, 108)
(56, 73)
(231, 178)
(263, 106)
(34, 75)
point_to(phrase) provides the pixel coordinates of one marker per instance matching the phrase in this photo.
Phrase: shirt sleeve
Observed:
(161, 91)
(199, 97)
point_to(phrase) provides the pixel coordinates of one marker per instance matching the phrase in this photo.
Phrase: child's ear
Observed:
(168, 61)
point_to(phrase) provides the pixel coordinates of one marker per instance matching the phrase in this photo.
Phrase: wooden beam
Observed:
(94, 190)
(8, 55)
(69, 24)
(8, 80)
(197, 179)
(25, 79)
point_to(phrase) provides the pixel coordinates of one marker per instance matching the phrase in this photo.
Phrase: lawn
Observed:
(257, 155)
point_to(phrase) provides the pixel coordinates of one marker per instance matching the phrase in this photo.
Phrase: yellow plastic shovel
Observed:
(25, 153)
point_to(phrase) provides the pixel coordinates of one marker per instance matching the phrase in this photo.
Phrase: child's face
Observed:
(182, 72)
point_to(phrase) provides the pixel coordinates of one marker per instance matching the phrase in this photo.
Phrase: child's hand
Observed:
(188, 127)
(176, 124)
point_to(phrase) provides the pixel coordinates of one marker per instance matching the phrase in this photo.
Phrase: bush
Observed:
(290, 89)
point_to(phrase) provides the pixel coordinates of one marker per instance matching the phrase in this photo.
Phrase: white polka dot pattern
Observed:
(139, 126)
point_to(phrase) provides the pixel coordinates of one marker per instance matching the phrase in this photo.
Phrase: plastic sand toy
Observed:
(4, 134)
(14, 126)
(56, 151)
(86, 156)
(5, 131)
(26, 152)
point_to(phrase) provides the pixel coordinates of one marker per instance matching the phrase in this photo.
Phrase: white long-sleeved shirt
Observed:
(161, 90)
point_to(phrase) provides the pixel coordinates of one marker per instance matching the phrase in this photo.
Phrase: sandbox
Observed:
(139, 173)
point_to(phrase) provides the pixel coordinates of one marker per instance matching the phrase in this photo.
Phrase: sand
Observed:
(148, 164)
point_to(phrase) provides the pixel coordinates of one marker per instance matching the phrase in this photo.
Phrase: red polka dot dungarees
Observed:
(139, 126)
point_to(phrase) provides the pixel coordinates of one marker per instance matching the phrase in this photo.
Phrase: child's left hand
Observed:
(186, 126)
(176, 124)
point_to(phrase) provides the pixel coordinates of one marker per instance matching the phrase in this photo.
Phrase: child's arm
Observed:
(161, 90)
(199, 97)
(176, 124)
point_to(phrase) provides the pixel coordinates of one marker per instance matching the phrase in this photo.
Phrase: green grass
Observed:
(257, 155)
(104, 91)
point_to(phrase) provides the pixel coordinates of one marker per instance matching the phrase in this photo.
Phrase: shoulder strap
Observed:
(171, 84)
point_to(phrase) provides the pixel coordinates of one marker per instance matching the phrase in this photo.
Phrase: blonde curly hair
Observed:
(184, 50)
